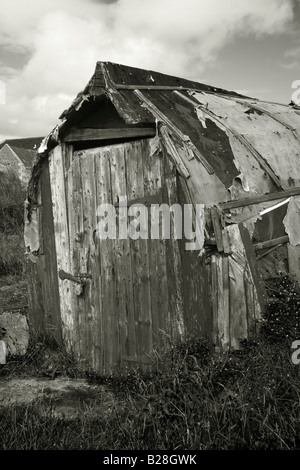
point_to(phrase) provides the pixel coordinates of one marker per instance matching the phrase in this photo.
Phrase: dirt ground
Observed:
(67, 397)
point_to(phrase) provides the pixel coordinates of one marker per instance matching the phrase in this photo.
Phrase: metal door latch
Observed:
(80, 279)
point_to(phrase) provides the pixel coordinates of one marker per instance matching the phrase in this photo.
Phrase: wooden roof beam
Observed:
(80, 135)
(256, 200)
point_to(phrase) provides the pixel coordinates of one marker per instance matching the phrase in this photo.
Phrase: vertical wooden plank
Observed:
(47, 258)
(61, 241)
(37, 285)
(223, 303)
(175, 273)
(226, 302)
(196, 279)
(117, 317)
(214, 299)
(76, 239)
(106, 255)
(252, 262)
(238, 306)
(246, 303)
(226, 243)
(139, 251)
(219, 321)
(217, 228)
(254, 285)
(125, 320)
(294, 261)
(67, 155)
(156, 248)
(175, 320)
(249, 293)
(88, 250)
(99, 196)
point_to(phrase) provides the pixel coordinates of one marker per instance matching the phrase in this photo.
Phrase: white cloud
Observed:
(66, 39)
(293, 53)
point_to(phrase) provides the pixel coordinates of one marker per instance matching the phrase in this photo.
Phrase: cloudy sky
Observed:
(49, 48)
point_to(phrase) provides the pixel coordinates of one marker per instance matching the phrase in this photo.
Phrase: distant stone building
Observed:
(19, 154)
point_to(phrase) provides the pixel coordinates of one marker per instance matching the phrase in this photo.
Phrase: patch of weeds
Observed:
(282, 316)
(191, 399)
(35, 427)
(45, 357)
(12, 246)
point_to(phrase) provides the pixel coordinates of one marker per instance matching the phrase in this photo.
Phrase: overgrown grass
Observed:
(12, 246)
(11, 253)
(193, 399)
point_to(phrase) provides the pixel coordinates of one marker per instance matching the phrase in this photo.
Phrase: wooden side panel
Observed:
(76, 239)
(220, 286)
(174, 264)
(125, 318)
(139, 253)
(106, 259)
(196, 291)
(88, 300)
(61, 231)
(152, 165)
(236, 297)
(223, 323)
(237, 265)
(44, 303)
(196, 279)
(214, 299)
(246, 296)
(48, 264)
(238, 306)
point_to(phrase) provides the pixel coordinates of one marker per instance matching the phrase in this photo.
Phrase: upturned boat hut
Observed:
(138, 148)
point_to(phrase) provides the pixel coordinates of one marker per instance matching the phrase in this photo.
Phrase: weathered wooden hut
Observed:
(140, 137)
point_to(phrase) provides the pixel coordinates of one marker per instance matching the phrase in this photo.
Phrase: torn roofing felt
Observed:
(239, 146)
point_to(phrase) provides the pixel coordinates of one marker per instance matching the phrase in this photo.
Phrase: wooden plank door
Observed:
(122, 312)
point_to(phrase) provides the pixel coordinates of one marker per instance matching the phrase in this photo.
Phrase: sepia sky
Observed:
(49, 48)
